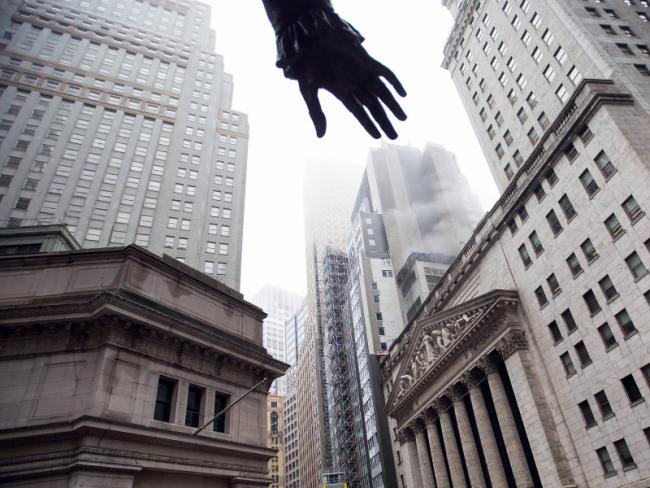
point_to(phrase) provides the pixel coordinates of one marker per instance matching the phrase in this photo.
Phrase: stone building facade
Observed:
(112, 358)
(528, 365)
(275, 423)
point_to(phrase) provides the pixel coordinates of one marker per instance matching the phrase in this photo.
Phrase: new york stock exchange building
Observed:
(517, 374)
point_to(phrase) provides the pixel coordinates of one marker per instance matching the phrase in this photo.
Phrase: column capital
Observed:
(512, 342)
(438, 405)
(429, 415)
(455, 393)
(488, 365)
(417, 425)
(404, 435)
(471, 379)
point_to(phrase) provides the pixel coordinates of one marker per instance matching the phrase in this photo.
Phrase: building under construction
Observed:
(349, 453)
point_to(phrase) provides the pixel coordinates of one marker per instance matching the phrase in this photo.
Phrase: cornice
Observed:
(124, 309)
(461, 22)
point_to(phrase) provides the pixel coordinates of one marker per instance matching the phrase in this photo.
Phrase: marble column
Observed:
(467, 442)
(406, 438)
(437, 453)
(485, 431)
(423, 453)
(514, 447)
(451, 447)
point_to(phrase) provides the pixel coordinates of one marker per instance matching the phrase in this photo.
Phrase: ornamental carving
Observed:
(511, 343)
(434, 341)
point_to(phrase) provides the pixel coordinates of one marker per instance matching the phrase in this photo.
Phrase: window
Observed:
(537, 55)
(539, 192)
(554, 223)
(569, 321)
(547, 37)
(512, 225)
(636, 266)
(605, 461)
(631, 388)
(525, 257)
(220, 402)
(543, 121)
(625, 323)
(562, 94)
(632, 209)
(605, 165)
(556, 335)
(589, 251)
(608, 288)
(536, 243)
(604, 406)
(523, 214)
(532, 136)
(583, 354)
(569, 368)
(624, 454)
(553, 285)
(164, 400)
(23, 203)
(614, 226)
(193, 411)
(522, 115)
(591, 302)
(587, 414)
(386, 273)
(567, 207)
(585, 134)
(541, 297)
(571, 152)
(531, 100)
(607, 336)
(588, 183)
(646, 373)
(574, 75)
(574, 265)
(549, 73)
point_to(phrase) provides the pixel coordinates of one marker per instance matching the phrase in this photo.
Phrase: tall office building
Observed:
(329, 189)
(280, 305)
(411, 214)
(533, 346)
(294, 333)
(116, 119)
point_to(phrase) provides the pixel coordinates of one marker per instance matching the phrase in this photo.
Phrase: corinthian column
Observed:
(514, 447)
(451, 448)
(437, 453)
(485, 432)
(423, 453)
(468, 445)
(406, 439)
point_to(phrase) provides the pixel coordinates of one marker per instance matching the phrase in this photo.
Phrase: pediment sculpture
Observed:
(432, 342)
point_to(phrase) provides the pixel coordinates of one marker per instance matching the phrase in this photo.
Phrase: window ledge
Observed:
(607, 417)
(542, 307)
(589, 426)
(555, 294)
(614, 239)
(609, 475)
(630, 467)
(558, 233)
(577, 275)
(607, 178)
(593, 314)
(572, 331)
(538, 254)
(569, 375)
(572, 218)
(638, 402)
(612, 347)
(613, 298)
(583, 366)
(642, 276)
(589, 263)
(592, 195)
(631, 334)
(637, 218)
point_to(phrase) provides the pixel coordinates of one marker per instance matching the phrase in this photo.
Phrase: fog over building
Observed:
(116, 119)
(329, 189)
(527, 365)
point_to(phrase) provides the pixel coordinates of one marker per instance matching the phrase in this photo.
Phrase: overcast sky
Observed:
(408, 36)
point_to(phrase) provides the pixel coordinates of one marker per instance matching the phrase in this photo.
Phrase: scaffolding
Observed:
(340, 369)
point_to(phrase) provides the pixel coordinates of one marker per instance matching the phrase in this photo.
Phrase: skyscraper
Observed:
(279, 305)
(531, 347)
(329, 188)
(115, 118)
(412, 210)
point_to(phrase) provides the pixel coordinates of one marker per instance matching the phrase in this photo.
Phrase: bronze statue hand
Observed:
(348, 72)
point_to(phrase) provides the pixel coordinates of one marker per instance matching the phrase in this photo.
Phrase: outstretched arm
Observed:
(320, 50)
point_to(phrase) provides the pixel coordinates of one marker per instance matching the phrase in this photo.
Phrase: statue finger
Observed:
(356, 109)
(379, 114)
(310, 95)
(390, 76)
(379, 89)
